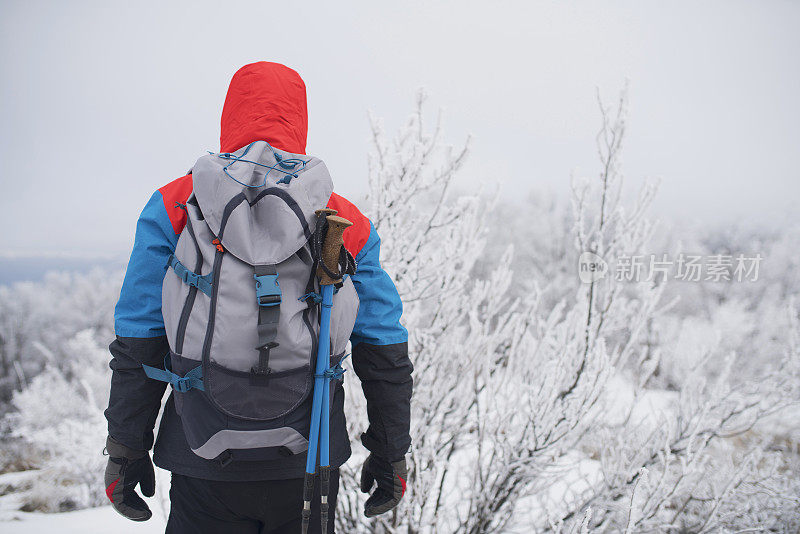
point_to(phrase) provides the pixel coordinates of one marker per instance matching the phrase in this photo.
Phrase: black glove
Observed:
(391, 479)
(126, 468)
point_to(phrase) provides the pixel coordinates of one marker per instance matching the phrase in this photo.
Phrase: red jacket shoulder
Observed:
(175, 194)
(355, 237)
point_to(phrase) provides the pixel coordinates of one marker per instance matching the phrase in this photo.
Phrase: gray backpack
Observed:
(240, 304)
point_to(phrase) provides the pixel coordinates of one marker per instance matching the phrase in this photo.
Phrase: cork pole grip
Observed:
(331, 248)
(325, 211)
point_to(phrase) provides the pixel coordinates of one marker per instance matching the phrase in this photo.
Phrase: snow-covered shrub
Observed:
(518, 417)
(60, 416)
(503, 387)
(55, 423)
(36, 319)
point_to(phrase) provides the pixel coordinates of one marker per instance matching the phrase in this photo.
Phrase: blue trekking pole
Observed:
(329, 276)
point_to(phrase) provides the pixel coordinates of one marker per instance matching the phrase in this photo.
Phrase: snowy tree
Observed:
(503, 389)
(513, 389)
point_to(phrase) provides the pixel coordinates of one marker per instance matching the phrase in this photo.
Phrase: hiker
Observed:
(238, 352)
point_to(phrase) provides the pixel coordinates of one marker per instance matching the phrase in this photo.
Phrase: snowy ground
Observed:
(93, 520)
(103, 519)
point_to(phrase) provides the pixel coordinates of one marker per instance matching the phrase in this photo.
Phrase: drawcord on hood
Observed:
(286, 163)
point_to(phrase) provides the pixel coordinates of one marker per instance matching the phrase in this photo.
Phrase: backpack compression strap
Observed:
(201, 282)
(182, 384)
(268, 297)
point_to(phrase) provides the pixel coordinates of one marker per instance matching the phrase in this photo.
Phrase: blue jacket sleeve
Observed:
(134, 400)
(138, 311)
(378, 320)
(380, 356)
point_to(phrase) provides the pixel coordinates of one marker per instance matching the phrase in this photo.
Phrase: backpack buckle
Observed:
(182, 385)
(268, 290)
(189, 278)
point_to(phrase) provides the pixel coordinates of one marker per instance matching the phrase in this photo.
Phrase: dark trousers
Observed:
(265, 507)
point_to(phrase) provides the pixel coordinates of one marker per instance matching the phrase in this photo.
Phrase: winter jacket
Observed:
(265, 101)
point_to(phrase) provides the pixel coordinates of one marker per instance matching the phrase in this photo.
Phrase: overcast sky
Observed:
(103, 102)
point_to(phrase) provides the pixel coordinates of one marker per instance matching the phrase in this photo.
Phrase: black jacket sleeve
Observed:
(380, 355)
(135, 399)
(385, 373)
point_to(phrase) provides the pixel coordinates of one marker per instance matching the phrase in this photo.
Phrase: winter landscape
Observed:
(595, 372)
(594, 351)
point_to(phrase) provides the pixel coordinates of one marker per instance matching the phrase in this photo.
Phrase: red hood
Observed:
(265, 101)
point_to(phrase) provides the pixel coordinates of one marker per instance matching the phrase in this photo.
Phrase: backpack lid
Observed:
(258, 220)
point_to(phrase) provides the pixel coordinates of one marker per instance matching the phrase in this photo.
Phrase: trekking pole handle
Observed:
(325, 211)
(332, 246)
